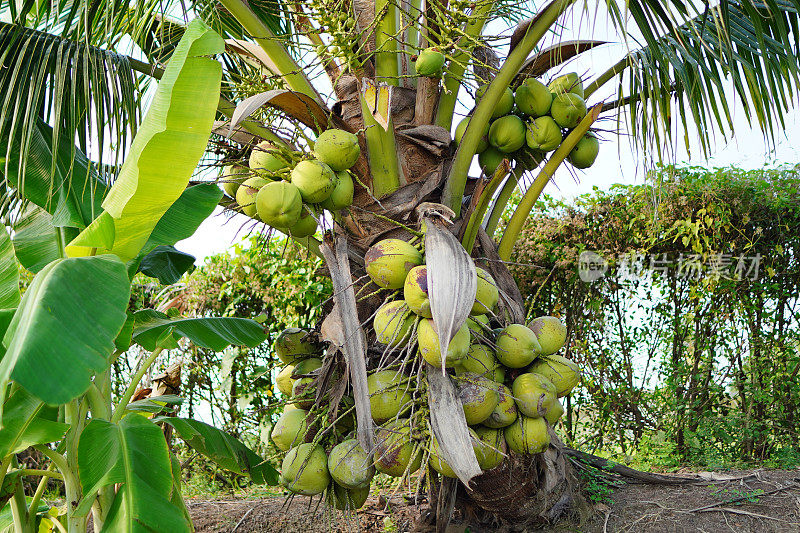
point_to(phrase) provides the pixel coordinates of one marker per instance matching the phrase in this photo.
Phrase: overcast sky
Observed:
(618, 161)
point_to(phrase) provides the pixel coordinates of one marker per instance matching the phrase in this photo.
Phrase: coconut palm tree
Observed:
(395, 73)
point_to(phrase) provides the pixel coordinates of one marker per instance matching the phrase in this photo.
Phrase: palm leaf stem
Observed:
(455, 71)
(457, 178)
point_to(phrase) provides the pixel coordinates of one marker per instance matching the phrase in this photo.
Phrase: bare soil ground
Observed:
(743, 502)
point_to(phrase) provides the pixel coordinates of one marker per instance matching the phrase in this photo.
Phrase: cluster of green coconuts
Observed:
(509, 380)
(289, 195)
(532, 121)
(334, 464)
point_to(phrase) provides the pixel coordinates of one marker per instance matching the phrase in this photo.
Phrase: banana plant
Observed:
(387, 80)
(62, 335)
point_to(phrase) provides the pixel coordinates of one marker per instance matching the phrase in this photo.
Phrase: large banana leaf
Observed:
(167, 264)
(133, 453)
(27, 421)
(37, 241)
(157, 258)
(65, 326)
(165, 151)
(223, 449)
(215, 333)
(9, 275)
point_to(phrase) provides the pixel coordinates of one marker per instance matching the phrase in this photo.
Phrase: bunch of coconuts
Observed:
(321, 455)
(532, 121)
(508, 376)
(289, 194)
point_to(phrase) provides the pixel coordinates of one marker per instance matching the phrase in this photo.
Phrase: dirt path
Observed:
(742, 502)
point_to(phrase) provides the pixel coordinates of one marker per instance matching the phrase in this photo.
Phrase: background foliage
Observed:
(274, 282)
(690, 354)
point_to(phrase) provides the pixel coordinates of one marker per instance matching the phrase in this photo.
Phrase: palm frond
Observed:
(101, 23)
(273, 13)
(90, 96)
(748, 46)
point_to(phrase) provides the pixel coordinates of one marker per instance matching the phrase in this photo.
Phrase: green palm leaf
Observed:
(90, 94)
(690, 58)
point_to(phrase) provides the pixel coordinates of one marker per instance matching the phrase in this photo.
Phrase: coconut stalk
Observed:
(606, 76)
(387, 68)
(512, 231)
(458, 65)
(537, 28)
(379, 133)
(499, 205)
(471, 231)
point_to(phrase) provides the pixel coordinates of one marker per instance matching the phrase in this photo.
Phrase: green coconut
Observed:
(560, 371)
(567, 83)
(476, 325)
(284, 380)
(350, 466)
(247, 193)
(337, 148)
(294, 344)
(429, 348)
(487, 296)
(568, 109)
(430, 63)
(279, 204)
(555, 412)
(232, 177)
(388, 394)
(342, 195)
(392, 323)
(415, 291)
(503, 106)
(437, 461)
(314, 179)
(481, 360)
(306, 366)
(534, 394)
(304, 392)
(478, 395)
(492, 449)
(347, 499)
(483, 144)
(507, 133)
(543, 134)
(527, 435)
(394, 449)
(289, 429)
(388, 261)
(585, 152)
(305, 470)
(533, 98)
(517, 346)
(267, 160)
(305, 226)
(550, 332)
(506, 411)
(490, 159)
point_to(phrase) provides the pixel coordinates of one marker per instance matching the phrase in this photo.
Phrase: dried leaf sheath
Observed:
(353, 342)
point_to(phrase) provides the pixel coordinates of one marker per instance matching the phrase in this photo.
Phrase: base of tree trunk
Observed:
(525, 492)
